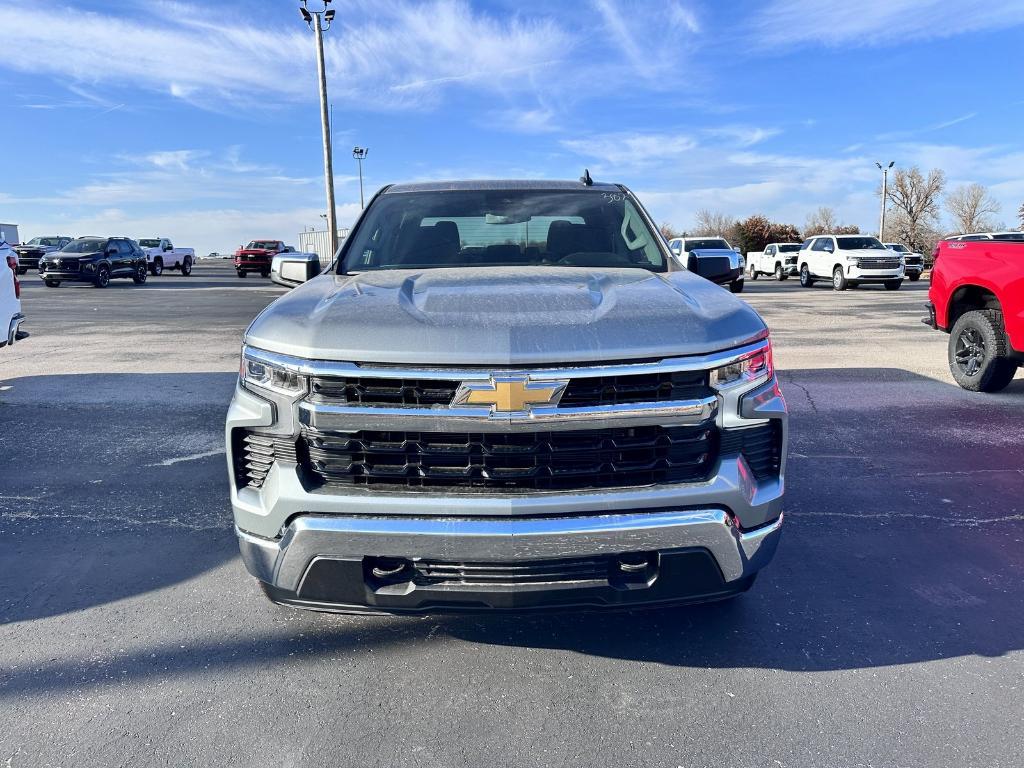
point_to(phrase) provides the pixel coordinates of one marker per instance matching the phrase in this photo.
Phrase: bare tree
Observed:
(915, 201)
(821, 222)
(669, 232)
(713, 223)
(1020, 215)
(970, 206)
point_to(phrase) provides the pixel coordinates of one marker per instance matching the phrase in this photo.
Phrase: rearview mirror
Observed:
(293, 269)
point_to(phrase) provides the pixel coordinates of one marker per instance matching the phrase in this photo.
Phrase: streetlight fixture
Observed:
(885, 192)
(318, 21)
(360, 153)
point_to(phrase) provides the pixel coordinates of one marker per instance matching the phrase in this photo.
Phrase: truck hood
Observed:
(504, 316)
(35, 248)
(714, 252)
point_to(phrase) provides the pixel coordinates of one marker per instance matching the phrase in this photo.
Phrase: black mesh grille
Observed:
(255, 453)
(879, 264)
(430, 572)
(761, 446)
(600, 458)
(581, 392)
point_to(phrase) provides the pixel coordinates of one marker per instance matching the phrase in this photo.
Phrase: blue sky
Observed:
(199, 121)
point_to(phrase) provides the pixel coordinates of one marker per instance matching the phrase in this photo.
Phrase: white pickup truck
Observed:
(161, 254)
(778, 259)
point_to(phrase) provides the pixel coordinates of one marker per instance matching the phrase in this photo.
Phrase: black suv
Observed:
(94, 260)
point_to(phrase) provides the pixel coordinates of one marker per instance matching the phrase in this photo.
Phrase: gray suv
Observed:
(505, 395)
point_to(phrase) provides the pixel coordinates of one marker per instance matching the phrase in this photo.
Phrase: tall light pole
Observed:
(885, 192)
(360, 153)
(316, 19)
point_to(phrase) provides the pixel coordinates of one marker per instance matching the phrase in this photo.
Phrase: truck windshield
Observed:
(502, 228)
(897, 247)
(85, 245)
(149, 243)
(706, 244)
(859, 243)
(54, 241)
(262, 245)
(789, 247)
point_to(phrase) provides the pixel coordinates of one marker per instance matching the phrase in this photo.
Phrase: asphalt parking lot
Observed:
(889, 631)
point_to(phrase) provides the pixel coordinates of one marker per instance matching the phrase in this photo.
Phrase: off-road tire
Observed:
(752, 273)
(186, 266)
(978, 352)
(914, 277)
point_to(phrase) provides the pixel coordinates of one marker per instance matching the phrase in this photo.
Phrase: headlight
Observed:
(258, 372)
(751, 368)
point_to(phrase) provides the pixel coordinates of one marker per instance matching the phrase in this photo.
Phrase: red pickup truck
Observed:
(977, 296)
(256, 257)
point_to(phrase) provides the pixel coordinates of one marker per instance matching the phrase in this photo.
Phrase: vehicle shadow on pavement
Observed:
(902, 545)
(113, 485)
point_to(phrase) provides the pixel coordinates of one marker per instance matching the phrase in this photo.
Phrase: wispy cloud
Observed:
(908, 133)
(625, 150)
(745, 136)
(866, 23)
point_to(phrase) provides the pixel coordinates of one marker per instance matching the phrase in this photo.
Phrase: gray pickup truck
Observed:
(505, 396)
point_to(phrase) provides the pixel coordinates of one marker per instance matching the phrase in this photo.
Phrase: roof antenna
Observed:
(585, 178)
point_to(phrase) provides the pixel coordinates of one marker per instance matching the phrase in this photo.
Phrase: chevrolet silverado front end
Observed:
(503, 398)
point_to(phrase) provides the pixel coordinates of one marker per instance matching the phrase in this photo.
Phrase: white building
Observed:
(319, 242)
(9, 234)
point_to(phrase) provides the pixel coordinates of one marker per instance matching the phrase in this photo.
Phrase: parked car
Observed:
(1011, 235)
(31, 252)
(778, 259)
(977, 296)
(690, 250)
(11, 316)
(913, 262)
(257, 256)
(849, 261)
(96, 260)
(161, 254)
(444, 420)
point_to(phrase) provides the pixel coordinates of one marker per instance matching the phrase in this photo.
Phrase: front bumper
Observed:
(29, 261)
(861, 275)
(672, 556)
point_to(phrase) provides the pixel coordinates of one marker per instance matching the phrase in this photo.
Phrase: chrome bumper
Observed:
(284, 563)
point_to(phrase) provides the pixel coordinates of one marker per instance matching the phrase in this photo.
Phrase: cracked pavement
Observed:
(888, 631)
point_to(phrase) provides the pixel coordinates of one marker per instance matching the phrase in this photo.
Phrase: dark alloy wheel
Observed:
(805, 277)
(978, 352)
(158, 267)
(140, 275)
(186, 266)
(838, 279)
(102, 277)
(780, 273)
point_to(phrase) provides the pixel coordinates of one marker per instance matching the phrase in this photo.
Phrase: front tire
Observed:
(240, 273)
(805, 277)
(838, 279)
(186, 266)
(914, 276)
(736, 286)
(977, 352)
(51, 283)
(780, 273)
(22, 270)
(753, 273)
(893, 285)
(102, 279)
(140, 275)
(158, 267)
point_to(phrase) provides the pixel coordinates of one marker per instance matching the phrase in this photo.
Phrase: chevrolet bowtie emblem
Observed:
(509, 394)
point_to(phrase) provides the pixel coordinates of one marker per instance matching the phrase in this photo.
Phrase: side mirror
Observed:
(717, 269)
(736, 248)
(293, 269)
(168, 247)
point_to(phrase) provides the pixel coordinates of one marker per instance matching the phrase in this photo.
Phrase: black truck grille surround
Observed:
(511, 462)
(254, 453)
(761, 446)
(581, 392)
